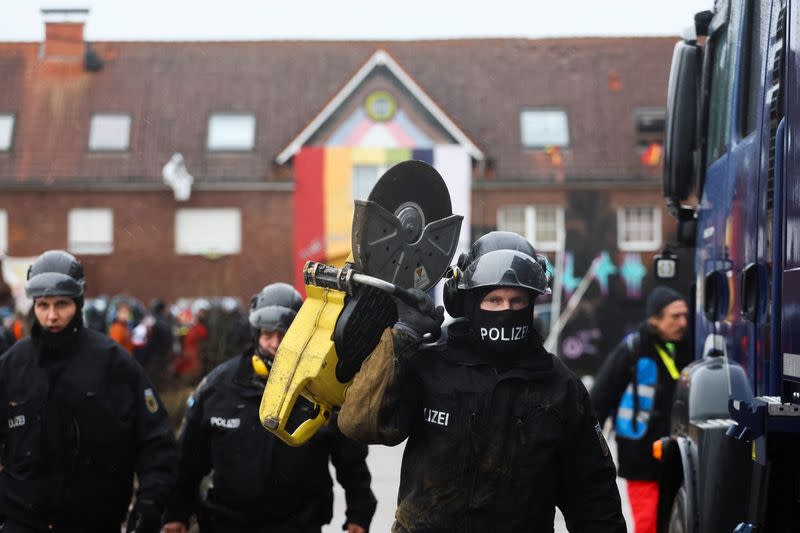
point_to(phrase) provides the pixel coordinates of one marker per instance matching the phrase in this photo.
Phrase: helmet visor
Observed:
(504, 268)
(53, 284)
(272, 318)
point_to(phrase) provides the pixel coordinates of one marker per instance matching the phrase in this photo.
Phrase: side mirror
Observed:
(681, 126)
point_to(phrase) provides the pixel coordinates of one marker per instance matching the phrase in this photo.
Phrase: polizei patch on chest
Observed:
(514, 333)
(227, 423)
(17, 421)
(432, 416)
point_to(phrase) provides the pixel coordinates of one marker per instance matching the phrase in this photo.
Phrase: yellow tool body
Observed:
(305, 366)
(404, 236)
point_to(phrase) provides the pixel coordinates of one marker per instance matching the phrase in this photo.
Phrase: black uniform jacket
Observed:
(257, 479)
(635, 456)
(494, 444)
(74, 434)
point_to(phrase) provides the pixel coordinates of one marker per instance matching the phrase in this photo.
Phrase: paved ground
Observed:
(384, 463)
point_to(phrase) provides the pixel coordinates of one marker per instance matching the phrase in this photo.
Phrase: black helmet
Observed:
(504, 268)
(496, 240)
(55, 273)
(511, 261)
(274, 307)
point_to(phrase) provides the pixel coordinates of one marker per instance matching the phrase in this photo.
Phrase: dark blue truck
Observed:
(732, 179)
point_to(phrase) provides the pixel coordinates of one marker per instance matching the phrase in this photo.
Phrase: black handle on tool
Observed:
(345, 280)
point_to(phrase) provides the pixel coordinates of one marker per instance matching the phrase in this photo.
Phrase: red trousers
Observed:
(643, 497)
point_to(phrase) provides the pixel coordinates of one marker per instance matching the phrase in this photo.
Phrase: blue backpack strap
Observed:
(630, 423)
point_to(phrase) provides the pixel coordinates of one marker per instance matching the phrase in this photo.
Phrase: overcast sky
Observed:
(20, 20)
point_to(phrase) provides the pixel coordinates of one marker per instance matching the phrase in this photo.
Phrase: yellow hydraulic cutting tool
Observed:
(404, 236)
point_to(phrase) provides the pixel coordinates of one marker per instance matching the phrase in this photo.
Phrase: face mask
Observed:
(503, 331)
(61, 344)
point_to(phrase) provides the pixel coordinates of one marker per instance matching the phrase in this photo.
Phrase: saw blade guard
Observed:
(405, 232)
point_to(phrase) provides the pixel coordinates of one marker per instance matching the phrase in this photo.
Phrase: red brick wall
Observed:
(144, 262)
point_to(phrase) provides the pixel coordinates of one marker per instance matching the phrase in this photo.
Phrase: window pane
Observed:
(639, 228)
(511, 219)
(546, 225)
(109, 132)
(757, 29)
(6, 132)
(540, 128)
(231, 131)
(91, 231)
(208, 231)
(364, 179)
(650, 123)
(719, 109)
(3, 232)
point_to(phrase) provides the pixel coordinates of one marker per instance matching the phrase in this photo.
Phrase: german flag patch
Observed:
(150, 401)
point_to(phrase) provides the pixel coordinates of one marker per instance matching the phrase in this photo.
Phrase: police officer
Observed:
(260, 484)
(499, 431)
(79, 419)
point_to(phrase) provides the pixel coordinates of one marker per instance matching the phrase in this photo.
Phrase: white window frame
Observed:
(100, 240)
(3, 232)
(215, 144)
(641, 245)
(548, 114)
(7, 144)
(379, 169)
(184, 245)
(530, 225)
(96, 144)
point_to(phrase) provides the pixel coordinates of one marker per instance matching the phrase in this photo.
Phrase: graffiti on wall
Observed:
(632, 272)
(582, 342)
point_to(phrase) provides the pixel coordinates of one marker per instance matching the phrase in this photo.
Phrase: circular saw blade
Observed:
(413, 182)
(405, 232)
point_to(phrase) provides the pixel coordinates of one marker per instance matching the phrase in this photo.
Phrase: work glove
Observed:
(420, 317)
(144, 518)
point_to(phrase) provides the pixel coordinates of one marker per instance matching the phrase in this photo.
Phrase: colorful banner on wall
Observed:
(327, 179)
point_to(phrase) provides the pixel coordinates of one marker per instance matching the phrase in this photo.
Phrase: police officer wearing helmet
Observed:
(499, 431)
(79, 419)
(260, 484)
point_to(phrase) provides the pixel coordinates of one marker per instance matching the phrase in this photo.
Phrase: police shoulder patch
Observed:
(150, 400)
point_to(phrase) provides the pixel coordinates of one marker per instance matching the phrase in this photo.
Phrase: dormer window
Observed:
(650, 123)
(109, 132)
(542, 128)
(231, 132)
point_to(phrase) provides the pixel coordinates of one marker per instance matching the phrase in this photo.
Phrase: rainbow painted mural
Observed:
(328, 179)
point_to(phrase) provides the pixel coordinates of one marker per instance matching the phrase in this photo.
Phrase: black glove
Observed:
(144, 518)
(419, 318)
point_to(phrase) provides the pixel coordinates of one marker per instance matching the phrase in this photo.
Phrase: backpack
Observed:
(636, 405)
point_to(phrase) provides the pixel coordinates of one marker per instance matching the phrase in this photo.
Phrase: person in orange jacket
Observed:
(191, 362)
(119, 330)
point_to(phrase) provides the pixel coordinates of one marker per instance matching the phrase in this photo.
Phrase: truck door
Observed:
(789, 350)
(730, 222)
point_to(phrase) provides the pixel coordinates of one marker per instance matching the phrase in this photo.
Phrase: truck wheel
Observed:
(677, 516)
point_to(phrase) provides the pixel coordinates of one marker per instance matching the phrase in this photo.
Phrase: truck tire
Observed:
(677, 516)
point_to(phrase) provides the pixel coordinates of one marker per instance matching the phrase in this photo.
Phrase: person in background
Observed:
(190, 364)
(637, 381)
(120, 330)
(159, 342)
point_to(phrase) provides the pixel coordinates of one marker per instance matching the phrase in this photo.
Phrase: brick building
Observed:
(561, 139)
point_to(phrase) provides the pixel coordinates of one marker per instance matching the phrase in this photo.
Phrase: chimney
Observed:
(64, 34)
